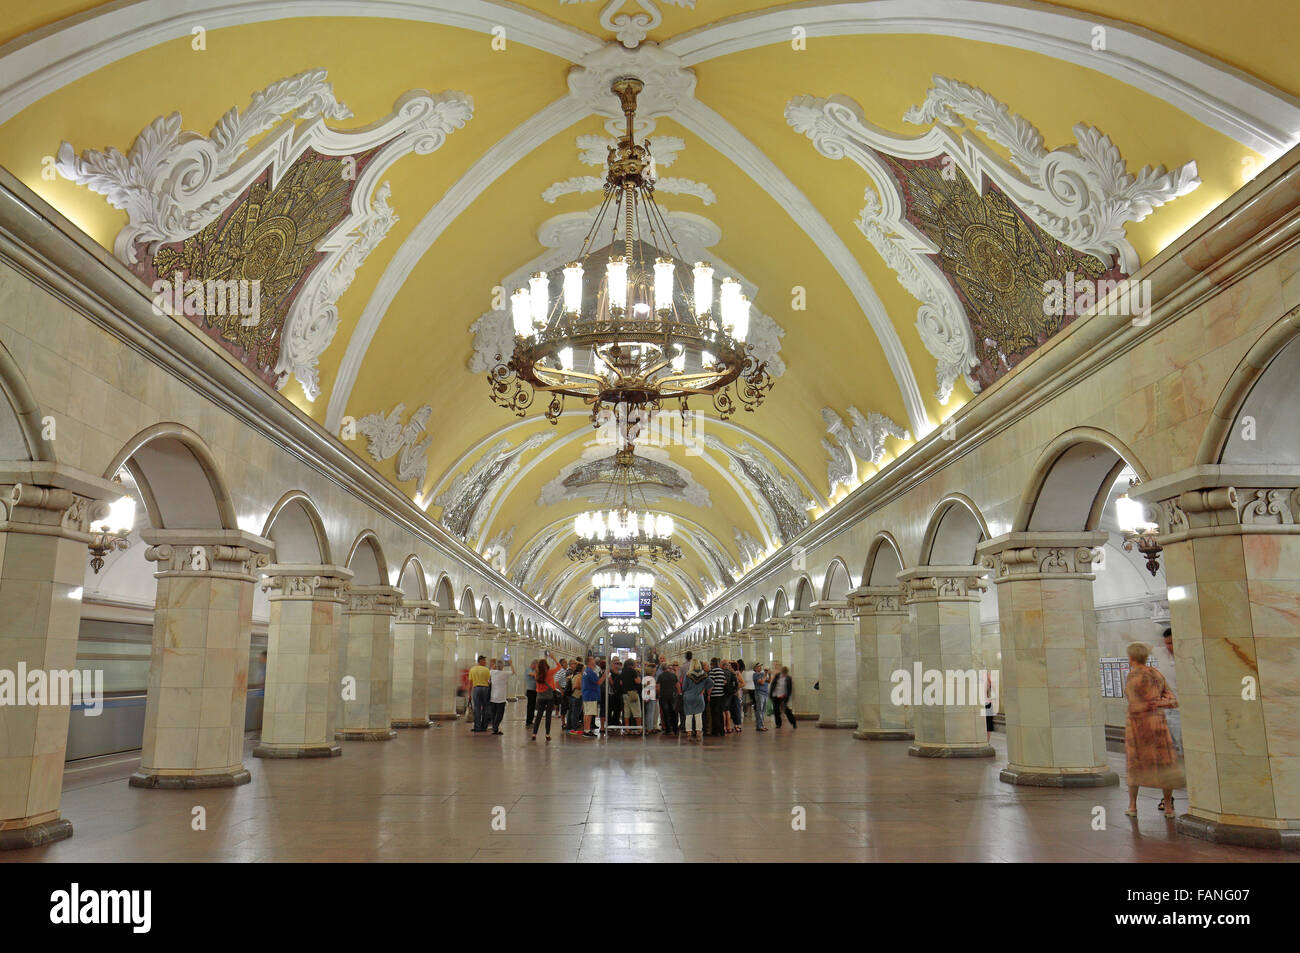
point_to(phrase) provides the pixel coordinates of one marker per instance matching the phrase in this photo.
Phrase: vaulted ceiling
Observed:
(423, 250)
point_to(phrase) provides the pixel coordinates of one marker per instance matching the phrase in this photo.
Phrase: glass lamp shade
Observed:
(740, 330)
(703, 273)
(573, 287)
(1131, 515)
(566, 358)
(521, 313)
(729, 302)
(616, 282)
(679, 360)
(539, 287)
(663, 284)
(120, 519)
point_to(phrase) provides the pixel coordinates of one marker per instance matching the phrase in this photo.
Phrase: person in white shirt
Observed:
(500, 691)
(747, 684)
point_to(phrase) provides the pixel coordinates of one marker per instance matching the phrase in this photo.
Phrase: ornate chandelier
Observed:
(627, 579)
(621, 531)
(643, 339)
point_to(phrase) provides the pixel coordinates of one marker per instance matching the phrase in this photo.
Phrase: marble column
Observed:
(411, 649)
(837, 635)
(1056, 734)
(198, 675)
(442, 669)
(781, 642)
(762, 645)
(805, 665)
(302, 660)
(365, 712)
(745, 648)
(1232, 560)
(943, 605)
(43, 557)
(884, 648)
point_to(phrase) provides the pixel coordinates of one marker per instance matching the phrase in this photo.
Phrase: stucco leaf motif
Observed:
(387, 436)
(868, 434)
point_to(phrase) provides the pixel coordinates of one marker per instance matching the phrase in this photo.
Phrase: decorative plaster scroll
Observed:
(657, 477)
(594, 150)
(590, 183)
(1081, 195)
(387, 436)
(864, 438)
(667, 84)
(751, 549)
(631, 28)
(173, 184)
(783, 505)
(497, 550)
(466, 502)
(529, 559)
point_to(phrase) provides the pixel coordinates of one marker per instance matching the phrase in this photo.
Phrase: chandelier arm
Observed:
(595, 225)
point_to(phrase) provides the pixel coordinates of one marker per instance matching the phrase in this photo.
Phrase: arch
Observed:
(485, 610)
(366, 560)
(1069, 484)
(735, 622)
(884, 561)
(169, 463)
(499, 620)
(747, 619)
(803, 595)
(295, 526)
(20, 419)
(412, 581)
(780, 604)
(468, 608)
(1264, 385)
(760, 614)
(956, 526)
(510, 621)
(444, 594)
(837, 582)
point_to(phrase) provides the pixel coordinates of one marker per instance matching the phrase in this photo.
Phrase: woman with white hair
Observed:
(1148, 746)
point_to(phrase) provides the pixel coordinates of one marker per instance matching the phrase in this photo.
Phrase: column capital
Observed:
(373, 600)
(1220, 500)
(419, 611)
(800, 618)
(1041, 555)
(445, 617)
(943, 583)
(219, 553)
(877, 600)
(832, 612)
(49, 511)
(305, 581)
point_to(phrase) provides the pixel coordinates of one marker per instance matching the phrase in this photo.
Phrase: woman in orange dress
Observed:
(1148, 746)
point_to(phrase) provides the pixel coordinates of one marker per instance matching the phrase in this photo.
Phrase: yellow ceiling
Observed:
(420, 353)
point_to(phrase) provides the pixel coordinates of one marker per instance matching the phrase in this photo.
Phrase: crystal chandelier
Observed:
(643, 339)
(614, 579)
(621, 531)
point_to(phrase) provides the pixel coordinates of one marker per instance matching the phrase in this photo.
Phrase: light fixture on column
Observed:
(110, 532)
(1138, 532)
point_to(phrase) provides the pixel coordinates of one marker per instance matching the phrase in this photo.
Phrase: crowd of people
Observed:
(689, 698)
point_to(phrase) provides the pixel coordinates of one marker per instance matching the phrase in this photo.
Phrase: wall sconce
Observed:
(1138, 533)
(110, 532)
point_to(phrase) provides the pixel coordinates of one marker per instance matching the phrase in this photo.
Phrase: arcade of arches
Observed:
(1007, 282)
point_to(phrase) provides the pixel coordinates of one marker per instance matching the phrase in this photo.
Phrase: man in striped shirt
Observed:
(717, 687)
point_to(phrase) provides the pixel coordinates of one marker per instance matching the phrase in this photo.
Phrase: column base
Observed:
(376, 734)
(836, 724)
(297, 751)
(1238, 835)
(951, 751)
(808, 715)
(883, 734)
(1055, 779)
(443, 716)
(189, 782)
(37, 835)
(411, 724)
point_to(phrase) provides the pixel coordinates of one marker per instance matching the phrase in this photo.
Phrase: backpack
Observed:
(729, 688)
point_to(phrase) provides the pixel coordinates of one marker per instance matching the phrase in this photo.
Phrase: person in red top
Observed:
(546, 669)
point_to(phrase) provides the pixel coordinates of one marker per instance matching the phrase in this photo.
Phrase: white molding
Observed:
(173, 183)
(729, 425)
(500, 158)
(1081, 194)
(39, 63)
(721, 135)
(388, 436)
(1224, 98)
(631, 27)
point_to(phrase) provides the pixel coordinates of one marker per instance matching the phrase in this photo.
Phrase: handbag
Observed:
(770, 709)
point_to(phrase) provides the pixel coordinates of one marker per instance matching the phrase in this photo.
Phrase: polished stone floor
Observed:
(433, 796)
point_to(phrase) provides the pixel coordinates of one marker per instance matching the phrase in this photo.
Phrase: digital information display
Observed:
(619, 603)
(646, 602)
